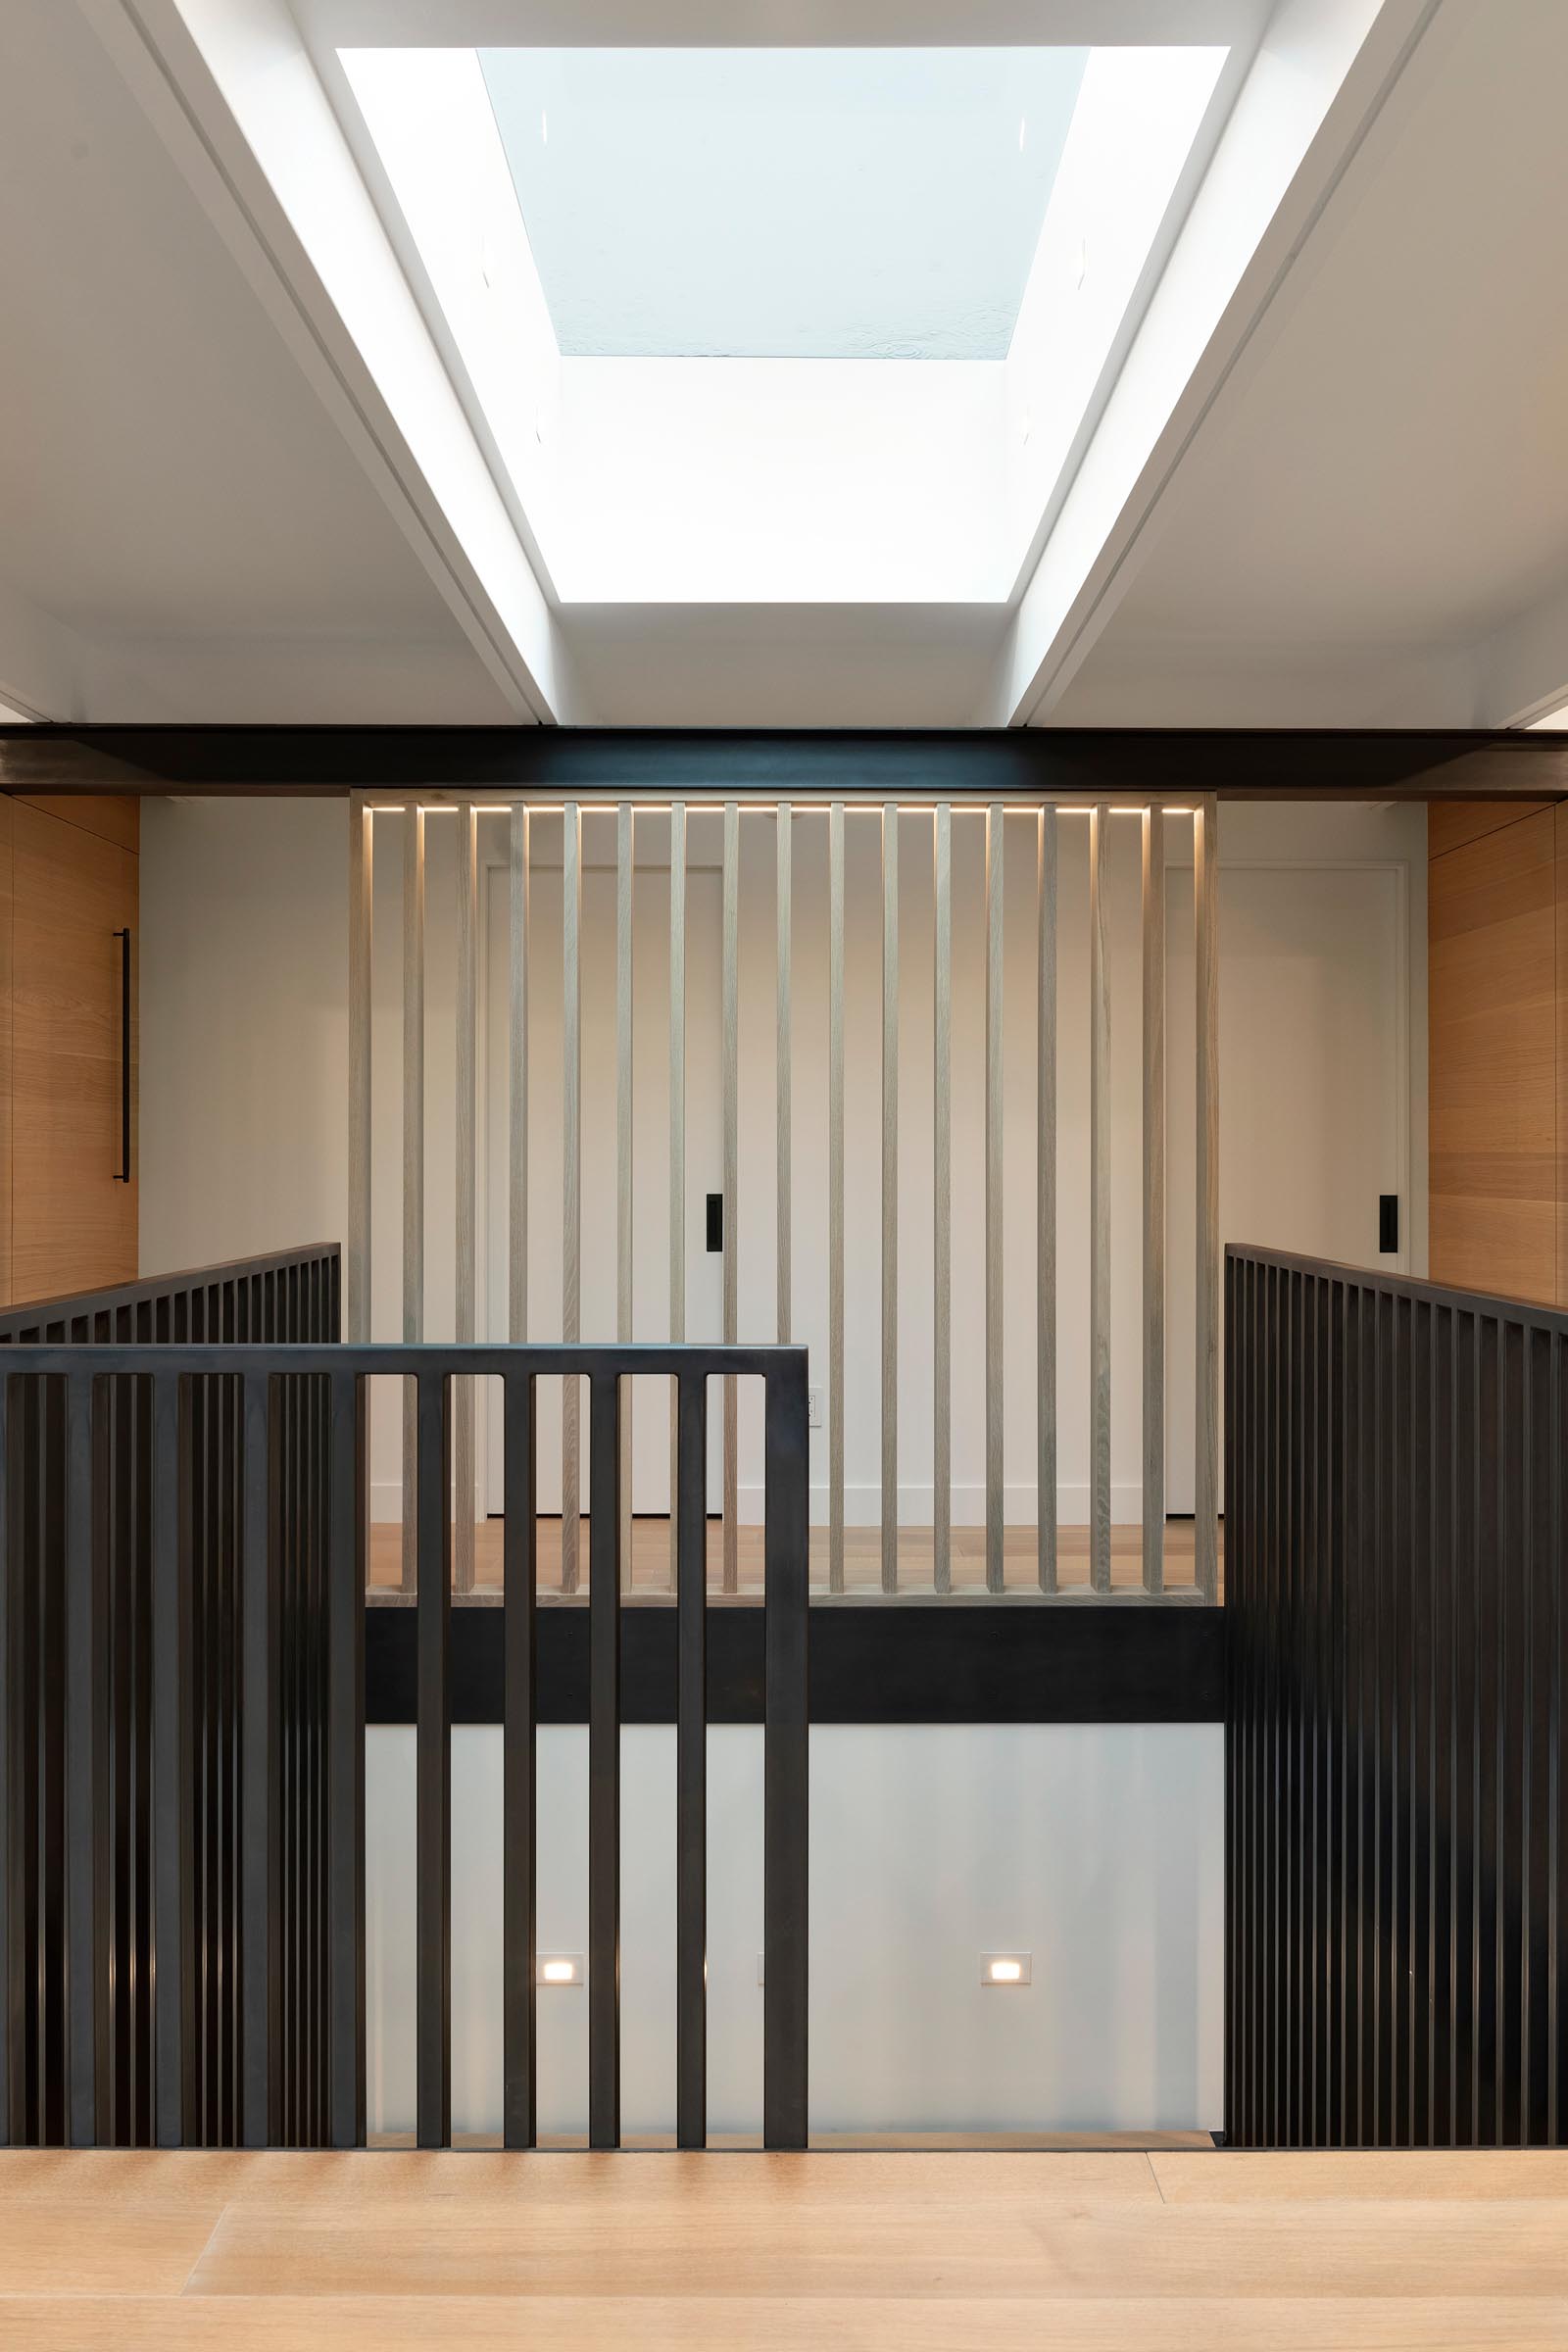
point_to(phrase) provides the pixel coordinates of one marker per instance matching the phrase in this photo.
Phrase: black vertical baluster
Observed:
(175, 2054)
(1537, 1832)
(83, 1824)
(690, 1766)
(8, 1725)
(346, 1763)
(603, 1761)
(786, 1777)
(259, 1699)
(434, 1737)
(519, 1766)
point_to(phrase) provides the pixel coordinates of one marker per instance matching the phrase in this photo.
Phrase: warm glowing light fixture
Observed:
(1004, 1968)
(561, 1968)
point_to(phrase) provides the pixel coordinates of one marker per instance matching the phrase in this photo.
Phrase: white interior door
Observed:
(1314, 1087)
(599, 1157)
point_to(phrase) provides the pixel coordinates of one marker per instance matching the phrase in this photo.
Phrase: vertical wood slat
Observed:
(1046, 1200)
(834, 1193)
(677, 1148)
(361, 863)
(625, 859)
(1206, 1480)
(729, 1058)
(783, 1072)
(571, 1184)
(463, 1400)
(691, 1768)
(942, 1197)
(1154, 915)
(994, 1307)
(413, 1164)
(1100, 1174)
(518, 849)
(890, 1197)
(786, 1739)
(604, 1763)
(433, 1769)
(520, 1773)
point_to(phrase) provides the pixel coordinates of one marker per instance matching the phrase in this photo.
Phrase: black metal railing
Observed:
(291, 1296)
(1396, 1867)
(291, 1856)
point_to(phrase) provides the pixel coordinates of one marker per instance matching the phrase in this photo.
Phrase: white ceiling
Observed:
(168, 476)
(1368, 525)
(1392, 474)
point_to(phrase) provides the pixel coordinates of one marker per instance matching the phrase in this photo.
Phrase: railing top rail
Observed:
(1407, 1285)
(157, 1286)
(478, 1359)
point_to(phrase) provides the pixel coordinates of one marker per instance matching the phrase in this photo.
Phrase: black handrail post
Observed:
(258, 1706)
(345, 1752)
(786, 1796)
(604, 1760)
(174, 2036)
(690, 1764)
(433, 1767)
(520, 1773)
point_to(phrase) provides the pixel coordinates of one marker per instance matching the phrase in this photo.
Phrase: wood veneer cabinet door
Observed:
(73, 1221)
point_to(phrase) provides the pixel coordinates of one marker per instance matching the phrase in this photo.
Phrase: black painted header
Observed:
(965, 763)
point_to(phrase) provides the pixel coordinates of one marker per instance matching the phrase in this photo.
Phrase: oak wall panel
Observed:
(73, 1224)
(1492, 925)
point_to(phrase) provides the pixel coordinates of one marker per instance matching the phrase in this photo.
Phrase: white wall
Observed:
(1096, 1848)
(244, 1066)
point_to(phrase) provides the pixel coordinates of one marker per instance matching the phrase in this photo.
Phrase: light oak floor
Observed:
(863, 1560)
(1164, 2252)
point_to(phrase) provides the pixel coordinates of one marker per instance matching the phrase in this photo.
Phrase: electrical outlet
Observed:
(815, 1408)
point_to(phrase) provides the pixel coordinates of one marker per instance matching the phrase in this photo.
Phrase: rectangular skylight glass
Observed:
(784, 202)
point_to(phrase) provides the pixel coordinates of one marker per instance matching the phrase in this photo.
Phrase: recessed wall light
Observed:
(559, 1967)
(1023, 133)
(544, 128)
(1005, 1967)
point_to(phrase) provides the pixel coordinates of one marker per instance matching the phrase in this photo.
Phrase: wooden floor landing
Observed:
(1164, 2252)
(647, 1578)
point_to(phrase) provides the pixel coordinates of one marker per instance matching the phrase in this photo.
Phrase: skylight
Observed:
(783, 203)
(786, 327)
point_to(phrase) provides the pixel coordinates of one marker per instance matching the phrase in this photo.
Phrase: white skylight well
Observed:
(813, 326)
(783, 203)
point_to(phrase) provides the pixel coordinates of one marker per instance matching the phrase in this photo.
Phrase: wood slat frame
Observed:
(1100, 1177)
(467, 1144)
(1154, 972)
(890, 1198)
(942, 1197)
(519, 854)
(783, 1067)
(1206, 1319)
(413, 1167)
(362, 882)
(677, 1151)
(834, 1193)
(995, 819)
(572, 1188)
(729, 1059)
(1046, 872)
(625, 864)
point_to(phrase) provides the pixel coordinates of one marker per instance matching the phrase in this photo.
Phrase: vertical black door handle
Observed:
(124, 937)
